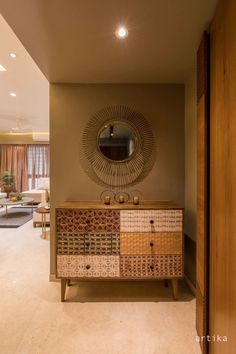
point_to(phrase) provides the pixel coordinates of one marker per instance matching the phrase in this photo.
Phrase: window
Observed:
(38, 164)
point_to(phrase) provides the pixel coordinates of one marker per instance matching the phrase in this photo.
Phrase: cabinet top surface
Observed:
(126, 206)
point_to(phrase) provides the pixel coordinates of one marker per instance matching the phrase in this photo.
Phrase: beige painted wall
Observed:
(190, 156)
(71, 106)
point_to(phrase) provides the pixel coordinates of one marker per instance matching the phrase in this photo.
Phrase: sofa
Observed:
(38, 194)
(3, 195)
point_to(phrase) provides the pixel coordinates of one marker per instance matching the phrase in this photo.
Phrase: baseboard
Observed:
(52, 277)
(190, 285)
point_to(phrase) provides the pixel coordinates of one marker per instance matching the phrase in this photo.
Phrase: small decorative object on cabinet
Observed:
(119, 242)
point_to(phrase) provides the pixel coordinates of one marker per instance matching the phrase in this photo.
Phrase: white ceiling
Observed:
(73, 40)
(29, 110)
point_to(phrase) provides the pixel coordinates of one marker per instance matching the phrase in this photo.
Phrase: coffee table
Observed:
(6, 202)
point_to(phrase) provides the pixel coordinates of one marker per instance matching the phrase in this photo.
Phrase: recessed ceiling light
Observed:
(2, 68)
(122, 32)
(12, 94)
(13, 55)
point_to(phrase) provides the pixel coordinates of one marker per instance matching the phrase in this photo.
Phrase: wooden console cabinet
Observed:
(119, 242)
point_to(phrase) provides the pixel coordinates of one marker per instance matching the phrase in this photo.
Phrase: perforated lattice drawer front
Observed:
(91, 243)
(151, 266)
(151, 243)
(151, 220)
(76, 220)
(88, 266)
(70, 243)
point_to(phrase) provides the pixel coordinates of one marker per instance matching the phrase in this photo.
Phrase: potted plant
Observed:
(15, 197)
(7, 182)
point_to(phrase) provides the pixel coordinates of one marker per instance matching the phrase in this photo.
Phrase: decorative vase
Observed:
(136, 200)
(47, 198)
(121, 199)
(8, 189)
(107, 199)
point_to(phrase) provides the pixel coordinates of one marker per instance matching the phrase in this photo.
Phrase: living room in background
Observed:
(13, 158)
(27, 162)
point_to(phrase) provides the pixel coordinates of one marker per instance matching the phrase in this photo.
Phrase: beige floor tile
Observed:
(98, 318)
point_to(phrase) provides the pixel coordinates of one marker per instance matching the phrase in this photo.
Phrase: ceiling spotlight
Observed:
(13, 55)
(121, 32)
(12, 94)
(2, 68)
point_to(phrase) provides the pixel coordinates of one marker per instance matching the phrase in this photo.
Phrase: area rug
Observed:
(17, 216)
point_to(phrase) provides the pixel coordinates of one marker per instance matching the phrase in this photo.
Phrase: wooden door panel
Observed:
(201, 196)
(222, 294)
(202, 188)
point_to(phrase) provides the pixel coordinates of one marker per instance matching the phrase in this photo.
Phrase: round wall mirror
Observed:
(117, 141)
(118, 147)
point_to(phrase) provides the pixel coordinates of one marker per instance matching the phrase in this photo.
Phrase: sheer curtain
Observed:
(38, 163)
(13, 158)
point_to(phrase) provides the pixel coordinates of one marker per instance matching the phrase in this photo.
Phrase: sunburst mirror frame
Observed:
(118, 174)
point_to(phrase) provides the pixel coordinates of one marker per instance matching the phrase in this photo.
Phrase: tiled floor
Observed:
(98, 318)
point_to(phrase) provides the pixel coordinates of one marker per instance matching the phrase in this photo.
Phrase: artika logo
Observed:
(213, 338)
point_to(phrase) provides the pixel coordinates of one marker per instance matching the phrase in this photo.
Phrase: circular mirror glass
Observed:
(116, 141)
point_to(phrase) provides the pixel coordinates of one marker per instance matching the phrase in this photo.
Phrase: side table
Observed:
(43, 211)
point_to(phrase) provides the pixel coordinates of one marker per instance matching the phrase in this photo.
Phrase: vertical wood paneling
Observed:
(202, 188)
(223, 179)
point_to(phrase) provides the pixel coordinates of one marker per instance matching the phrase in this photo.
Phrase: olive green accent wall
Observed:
(72, 105)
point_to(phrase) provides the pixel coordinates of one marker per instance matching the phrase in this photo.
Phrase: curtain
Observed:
(13, 158)
(27, 163)
(38, 163)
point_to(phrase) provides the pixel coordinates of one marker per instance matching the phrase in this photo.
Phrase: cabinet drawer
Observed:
(151, 266)
(151, 220)
(151, 243)
(70, 243)
(65, 220)
(87, 266)
(88, 243)
(77, 220)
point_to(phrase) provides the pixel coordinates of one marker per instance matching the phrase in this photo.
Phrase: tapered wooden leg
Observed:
(63, 289)
(174, 284)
